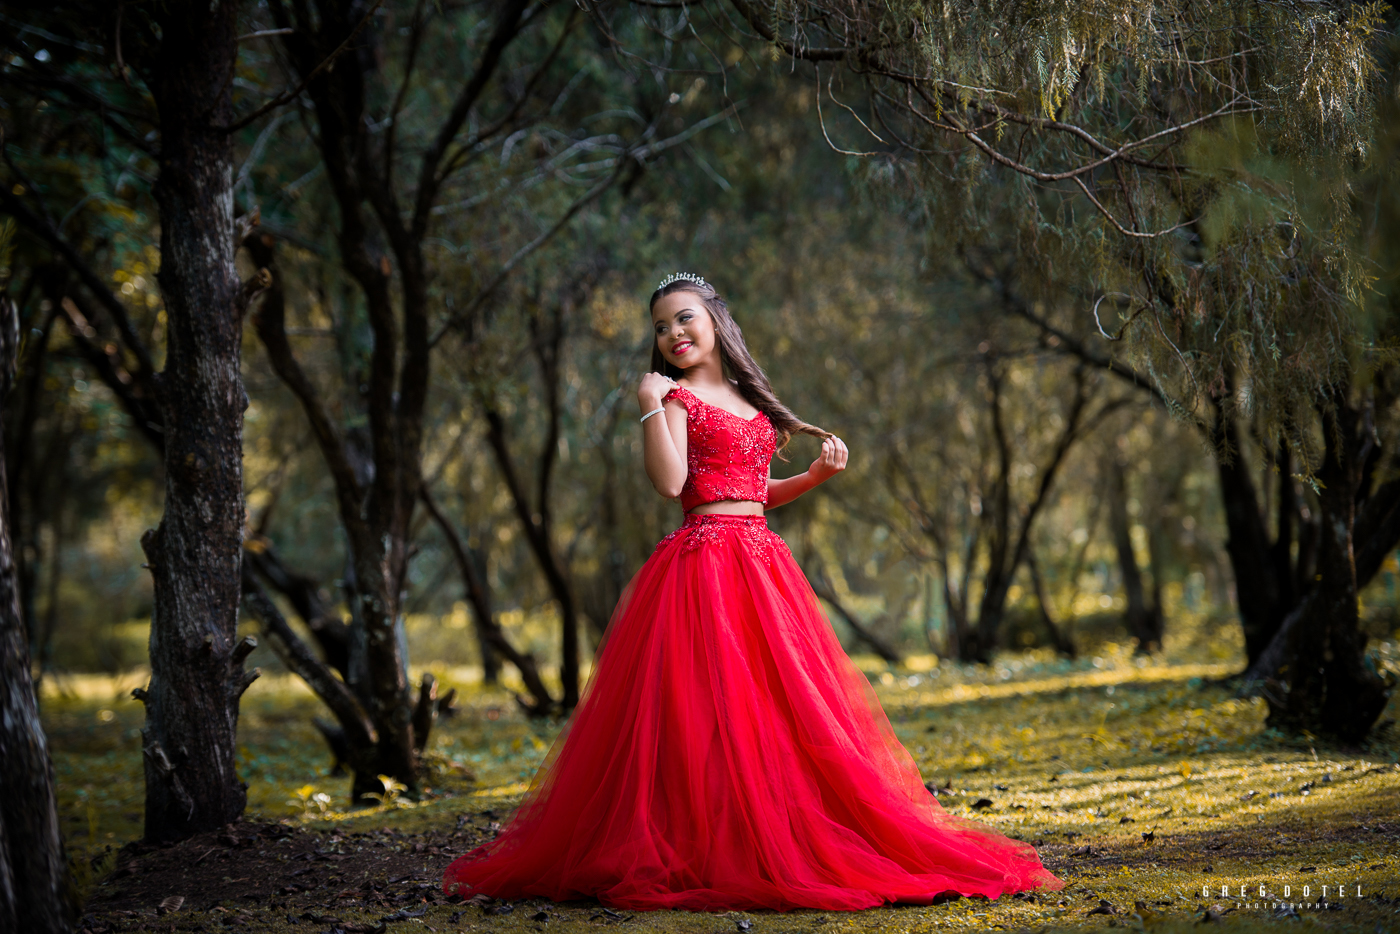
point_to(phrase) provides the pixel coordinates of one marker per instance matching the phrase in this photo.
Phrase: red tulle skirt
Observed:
(728, 755)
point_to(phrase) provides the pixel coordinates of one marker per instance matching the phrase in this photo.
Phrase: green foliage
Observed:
(1188, 171)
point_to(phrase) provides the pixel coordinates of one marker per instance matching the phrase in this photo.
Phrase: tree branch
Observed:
(270, 323)
(453, 162)
(755, 19)
(507, 27)
(487, 625)
(281, 99)
(148, 417)
(295, 654)
(95, 284)
(823, 589)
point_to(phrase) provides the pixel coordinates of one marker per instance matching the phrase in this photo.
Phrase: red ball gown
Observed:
(726, 754)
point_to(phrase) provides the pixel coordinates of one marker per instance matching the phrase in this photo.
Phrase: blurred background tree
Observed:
(1188, 173)
(1067, 420)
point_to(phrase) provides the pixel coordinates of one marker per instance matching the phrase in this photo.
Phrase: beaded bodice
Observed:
(727, 456)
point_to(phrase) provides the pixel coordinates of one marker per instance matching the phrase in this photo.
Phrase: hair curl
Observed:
(738, 364)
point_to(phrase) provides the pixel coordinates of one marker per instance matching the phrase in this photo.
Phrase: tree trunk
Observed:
(36, 890)
(1060, 641)
(194, 555)
(1143, 620)
(1005, 552)
(375, 663)
(538, 519)
(489, 631)
(537, 534)
(1257, 588)
(1326, 687)
(1306, 653)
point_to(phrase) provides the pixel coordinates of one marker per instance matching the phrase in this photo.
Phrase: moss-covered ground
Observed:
(1157, 795)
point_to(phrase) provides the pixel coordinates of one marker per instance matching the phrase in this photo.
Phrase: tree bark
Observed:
(36, 890)
(194, 555)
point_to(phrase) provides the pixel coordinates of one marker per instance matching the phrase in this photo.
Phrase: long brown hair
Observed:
(738, 364)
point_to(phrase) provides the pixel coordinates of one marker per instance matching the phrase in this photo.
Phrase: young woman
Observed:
(726, 753)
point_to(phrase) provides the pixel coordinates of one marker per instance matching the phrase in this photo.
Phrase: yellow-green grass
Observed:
(1095, 753)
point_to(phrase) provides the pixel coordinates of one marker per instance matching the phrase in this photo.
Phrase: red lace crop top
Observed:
(727, 456)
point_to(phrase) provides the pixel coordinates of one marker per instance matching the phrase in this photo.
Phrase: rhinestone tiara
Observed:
(678, 276)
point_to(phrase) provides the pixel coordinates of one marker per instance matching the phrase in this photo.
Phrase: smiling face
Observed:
(685, 332)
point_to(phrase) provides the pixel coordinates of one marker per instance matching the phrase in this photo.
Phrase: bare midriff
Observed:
(729, 507)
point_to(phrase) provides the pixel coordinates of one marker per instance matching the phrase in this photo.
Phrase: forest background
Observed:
(1045, 477)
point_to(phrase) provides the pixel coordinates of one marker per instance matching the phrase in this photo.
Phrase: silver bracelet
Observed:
(653, 412)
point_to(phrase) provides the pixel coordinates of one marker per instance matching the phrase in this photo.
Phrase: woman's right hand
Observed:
(652, 389)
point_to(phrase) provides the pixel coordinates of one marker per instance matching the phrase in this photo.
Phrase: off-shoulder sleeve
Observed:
(679, 394)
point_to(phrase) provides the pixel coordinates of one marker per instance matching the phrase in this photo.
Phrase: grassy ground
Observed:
(1140, 781)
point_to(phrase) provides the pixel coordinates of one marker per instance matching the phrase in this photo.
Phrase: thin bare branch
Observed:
(291, 95)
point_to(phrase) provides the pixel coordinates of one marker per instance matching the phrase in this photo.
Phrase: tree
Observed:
(36, 890)
(983, 532)
(185, 57)
(1143, 617)
(398, 195)
(197, 672)
(1219, 232)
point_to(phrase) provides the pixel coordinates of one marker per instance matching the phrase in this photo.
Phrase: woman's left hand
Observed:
(831, 461)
